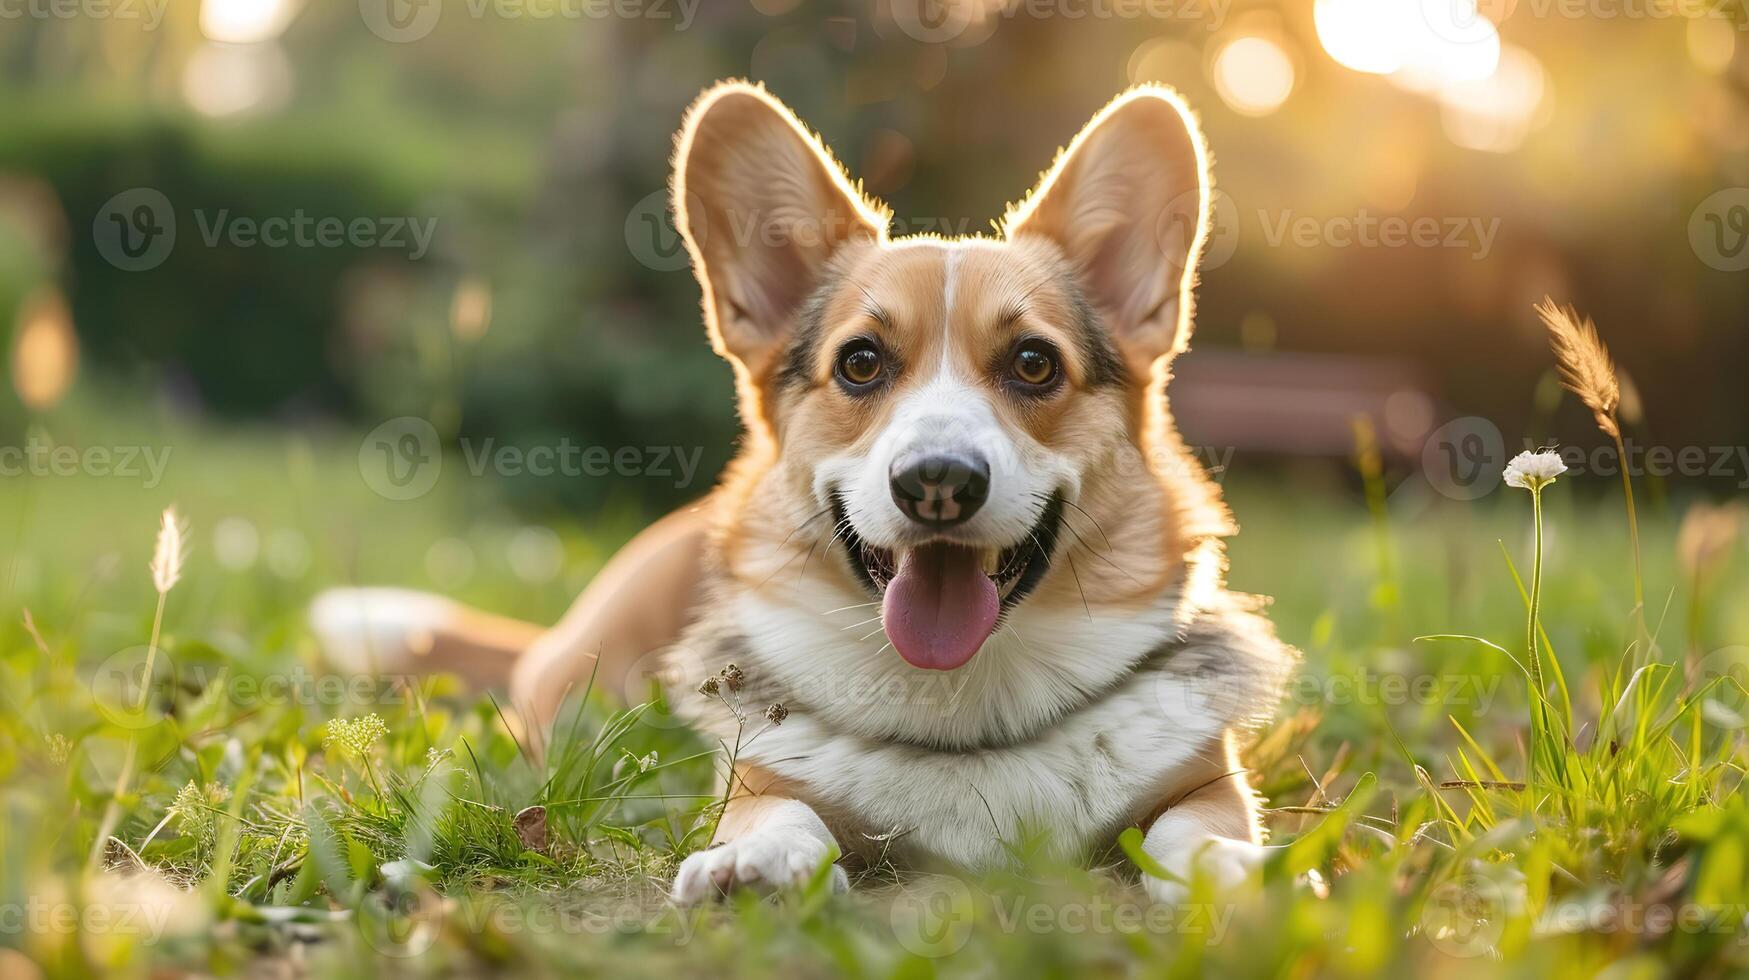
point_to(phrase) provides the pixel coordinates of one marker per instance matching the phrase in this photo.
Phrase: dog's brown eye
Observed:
(1034, 365)
(859, 364)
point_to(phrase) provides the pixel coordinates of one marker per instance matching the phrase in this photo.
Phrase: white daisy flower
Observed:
(1533, 471)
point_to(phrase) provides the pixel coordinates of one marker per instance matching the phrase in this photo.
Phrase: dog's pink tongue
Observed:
(941, 606)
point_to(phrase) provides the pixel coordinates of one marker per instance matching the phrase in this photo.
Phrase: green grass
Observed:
(1416, 836)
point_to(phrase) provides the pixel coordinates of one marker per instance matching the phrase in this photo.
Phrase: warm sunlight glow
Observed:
(1360, 34)
(1495, 114)
(245, 21)
(1159, 60)
(45, 355)
(1421, 44)
(1433, 58)
(1253, 75)
(1712, 43)
(470, 310)
(230, 79)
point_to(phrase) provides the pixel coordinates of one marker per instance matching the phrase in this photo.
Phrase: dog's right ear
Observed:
(762, 207)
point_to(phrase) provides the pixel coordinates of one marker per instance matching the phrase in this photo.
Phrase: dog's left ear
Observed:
(1127, 202)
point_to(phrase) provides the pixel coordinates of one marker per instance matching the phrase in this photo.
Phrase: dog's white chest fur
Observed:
(1096, 771)
(1074, 732)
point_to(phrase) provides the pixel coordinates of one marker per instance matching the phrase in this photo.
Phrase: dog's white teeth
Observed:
(990, 556)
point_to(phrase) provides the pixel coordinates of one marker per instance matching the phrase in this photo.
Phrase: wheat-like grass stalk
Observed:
(1588, 371)
(168, 554)
(1586, 368)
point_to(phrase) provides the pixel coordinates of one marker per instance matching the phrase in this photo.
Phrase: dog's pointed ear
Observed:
(1127, 202)
(762, 207)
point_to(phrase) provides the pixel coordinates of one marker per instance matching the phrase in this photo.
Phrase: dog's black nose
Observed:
(940, 489)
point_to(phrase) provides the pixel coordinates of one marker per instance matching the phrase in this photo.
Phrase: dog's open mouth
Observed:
(941, 600)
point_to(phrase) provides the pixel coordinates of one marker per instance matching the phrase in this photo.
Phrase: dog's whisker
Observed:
(1046, 498)
(1078, 586)
(877, 631)
(1100, 555)
(953, 698)
(860, 605)
(1091, 520)
(805, 558)
(838, 529)
(874, 619)
(787, 563)
(822, 512)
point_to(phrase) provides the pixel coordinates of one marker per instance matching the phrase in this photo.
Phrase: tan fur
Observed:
(779, 234)
(1070, 232)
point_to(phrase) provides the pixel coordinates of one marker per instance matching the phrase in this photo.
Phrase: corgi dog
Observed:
(963, 562)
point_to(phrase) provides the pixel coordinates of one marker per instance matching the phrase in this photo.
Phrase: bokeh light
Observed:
(470, 310)
(1496, 113)
(1360, 34)
(1712, 43)
(1421, 44)
(245, 21)
(233, 79)
(1161, 60)
(1253, 74)
(45, 355)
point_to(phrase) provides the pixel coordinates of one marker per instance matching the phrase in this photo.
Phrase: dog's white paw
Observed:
(766, 859)
(1227, 864)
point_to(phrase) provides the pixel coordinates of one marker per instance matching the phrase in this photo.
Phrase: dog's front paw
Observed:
(764, 859)
(1227, 864)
